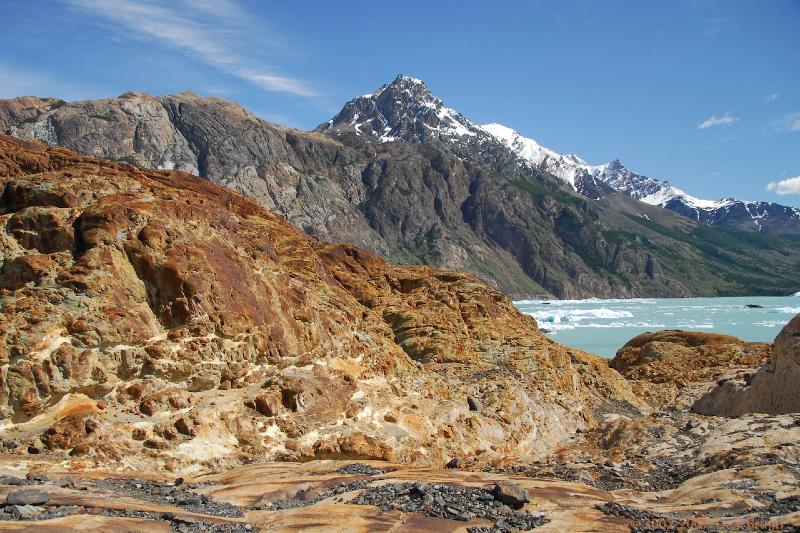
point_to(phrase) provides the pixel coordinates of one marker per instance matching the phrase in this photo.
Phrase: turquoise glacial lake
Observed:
(603, 326)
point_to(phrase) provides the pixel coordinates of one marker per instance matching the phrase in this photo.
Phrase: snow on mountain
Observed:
(404, 109)
(577, 172)
(650, 190)
(567, 167)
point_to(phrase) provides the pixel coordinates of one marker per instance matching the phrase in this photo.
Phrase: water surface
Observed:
(603, 326)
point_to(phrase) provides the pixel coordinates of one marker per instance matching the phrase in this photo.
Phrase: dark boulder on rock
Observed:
(510, 494)
(27, 497)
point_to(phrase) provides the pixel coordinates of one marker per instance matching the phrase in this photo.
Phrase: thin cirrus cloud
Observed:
(725, 120)
(771, 97)
(789, 122)
(209, 30)
(785, 187)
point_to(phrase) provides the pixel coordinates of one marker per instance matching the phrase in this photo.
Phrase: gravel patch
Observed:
(662, 476)
(180, 524)
(171, 494)
(781, 507)
(712, 522)
(294, 503)
(451, 502)
(33, 504)
(359, 469)
(38, 512)
(16, 481)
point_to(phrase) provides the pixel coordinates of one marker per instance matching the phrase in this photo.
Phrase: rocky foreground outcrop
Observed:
(160, 334)
(153, 318)
(672, 470)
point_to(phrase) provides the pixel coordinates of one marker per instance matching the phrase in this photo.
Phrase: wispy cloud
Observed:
(725, 120)
(788, 122)
(785, 187)
(771, 97)
(210, 30)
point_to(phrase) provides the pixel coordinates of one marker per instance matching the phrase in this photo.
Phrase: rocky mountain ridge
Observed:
(406, 110)
(442, 202)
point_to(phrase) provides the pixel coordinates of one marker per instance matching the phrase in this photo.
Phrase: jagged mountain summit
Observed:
(761, 217)
(404, 109)
(402, 175)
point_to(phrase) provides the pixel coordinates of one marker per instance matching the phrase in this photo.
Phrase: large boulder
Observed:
(774, 389)
(675, 367)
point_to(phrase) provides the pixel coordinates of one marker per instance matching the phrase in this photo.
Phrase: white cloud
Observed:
(771, 97)
(785, 187)
(213, 31)
(725, 120)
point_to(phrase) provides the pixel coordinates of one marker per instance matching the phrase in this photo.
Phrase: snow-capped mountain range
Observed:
(406, 110)
(574, 170)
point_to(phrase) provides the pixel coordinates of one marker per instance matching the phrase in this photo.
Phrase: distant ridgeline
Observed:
(399, 173)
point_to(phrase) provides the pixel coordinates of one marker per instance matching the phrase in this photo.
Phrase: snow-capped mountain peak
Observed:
(404, 109)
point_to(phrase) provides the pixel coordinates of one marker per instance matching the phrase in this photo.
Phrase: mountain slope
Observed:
(761, 217)
(442, 192)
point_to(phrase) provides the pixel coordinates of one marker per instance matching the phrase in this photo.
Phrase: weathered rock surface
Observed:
(468, 203)
(237, 500)
(667, 470)
(674, 367)
(685, 469)
(179, 324)
(675, 445)
(774, 389)
(164, 332)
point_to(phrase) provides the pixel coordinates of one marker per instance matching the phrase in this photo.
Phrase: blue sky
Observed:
(703, 93)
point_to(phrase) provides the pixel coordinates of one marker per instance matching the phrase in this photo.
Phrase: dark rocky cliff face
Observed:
(431, 192)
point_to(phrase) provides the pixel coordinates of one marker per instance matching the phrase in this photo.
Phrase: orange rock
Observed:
(182, 296)
(675, 367)
(772, 389)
